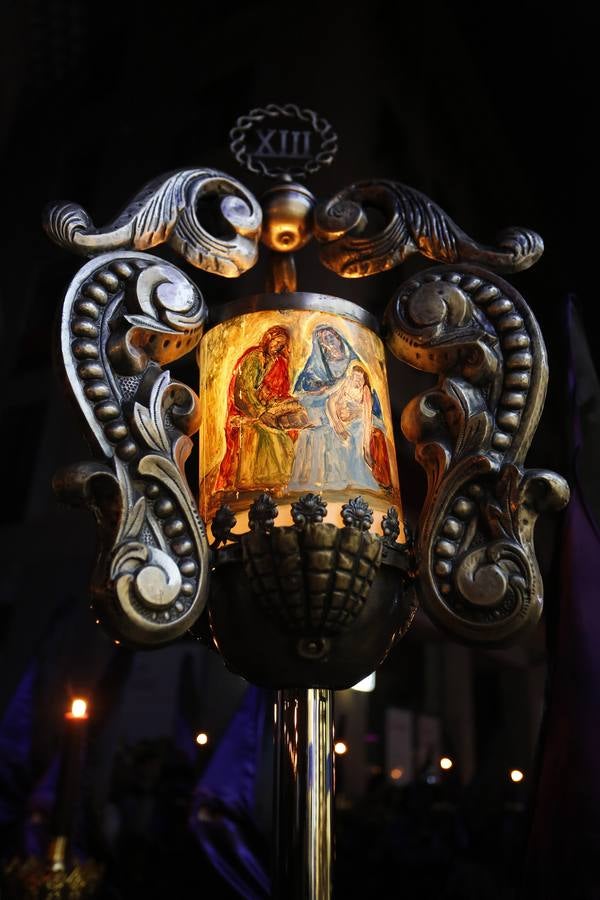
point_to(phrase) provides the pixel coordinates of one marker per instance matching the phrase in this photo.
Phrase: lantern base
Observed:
(311, 605)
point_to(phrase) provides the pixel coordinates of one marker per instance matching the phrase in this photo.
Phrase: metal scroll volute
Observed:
(124, 315)
(478, 576)
(169, 210)
(355, 243)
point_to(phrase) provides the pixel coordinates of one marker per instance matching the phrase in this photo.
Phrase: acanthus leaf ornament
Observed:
(123, 315)
(167, 210)
(412, 224)
(477, 572)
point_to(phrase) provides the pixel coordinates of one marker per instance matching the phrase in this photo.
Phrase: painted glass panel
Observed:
(294, 401)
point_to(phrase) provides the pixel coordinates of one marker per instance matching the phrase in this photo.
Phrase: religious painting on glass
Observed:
(295, 401)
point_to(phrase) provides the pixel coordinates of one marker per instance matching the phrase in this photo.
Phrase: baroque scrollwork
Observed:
(124, 315)
(372, 226)
(172, 209)
(477, 572)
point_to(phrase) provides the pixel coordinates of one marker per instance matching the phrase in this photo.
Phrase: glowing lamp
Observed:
(446, 763)
(299, 555)
(202, 738)
(516, 775)
(297, 462)
(340, 748)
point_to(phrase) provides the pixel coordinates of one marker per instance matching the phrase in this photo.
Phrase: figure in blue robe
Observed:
(326, 456)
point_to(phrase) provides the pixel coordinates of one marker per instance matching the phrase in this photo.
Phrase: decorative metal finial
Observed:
(222, 525)
(263, 513)
(357, 514)
(309, 508)
(390, 525)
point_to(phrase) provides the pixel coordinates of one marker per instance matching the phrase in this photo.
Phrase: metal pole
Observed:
(303, 794)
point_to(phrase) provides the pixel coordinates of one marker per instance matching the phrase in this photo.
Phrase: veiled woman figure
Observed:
(315, 461)
(354, 411)
(344, 443)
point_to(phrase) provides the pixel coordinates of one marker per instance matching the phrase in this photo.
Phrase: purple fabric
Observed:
(221, 815)
(39, 811)
(564, 849)
(16, 729)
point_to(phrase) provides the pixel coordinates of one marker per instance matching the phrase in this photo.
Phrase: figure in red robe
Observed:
(262, 418)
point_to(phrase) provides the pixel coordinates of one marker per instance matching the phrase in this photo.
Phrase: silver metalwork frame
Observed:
(127, 314)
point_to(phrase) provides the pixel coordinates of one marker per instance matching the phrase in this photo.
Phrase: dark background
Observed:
(486, 110)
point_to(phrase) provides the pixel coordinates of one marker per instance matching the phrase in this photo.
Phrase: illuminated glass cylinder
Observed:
(294, 400)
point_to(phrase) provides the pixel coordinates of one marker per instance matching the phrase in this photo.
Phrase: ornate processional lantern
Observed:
(307, 578)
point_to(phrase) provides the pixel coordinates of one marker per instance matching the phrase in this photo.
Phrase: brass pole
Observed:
(303, 794)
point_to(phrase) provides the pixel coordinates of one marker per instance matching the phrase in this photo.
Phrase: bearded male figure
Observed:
(262, 418)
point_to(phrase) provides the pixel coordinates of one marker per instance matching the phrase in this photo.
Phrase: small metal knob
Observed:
(287, 217)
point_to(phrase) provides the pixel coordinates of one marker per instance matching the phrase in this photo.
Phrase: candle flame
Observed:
(78, 709)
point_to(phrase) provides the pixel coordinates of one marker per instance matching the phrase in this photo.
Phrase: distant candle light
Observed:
(446, 763)
(202, 738)
(78, 709)
(516, 775)
(396, 774)
(340, 747)
(69, 776)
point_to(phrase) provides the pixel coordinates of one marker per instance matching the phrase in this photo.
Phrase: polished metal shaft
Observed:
(303, 794)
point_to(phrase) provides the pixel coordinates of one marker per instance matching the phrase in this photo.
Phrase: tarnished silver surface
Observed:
(477, 576)
(168, 210)
(124, 315)
(412, 223)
